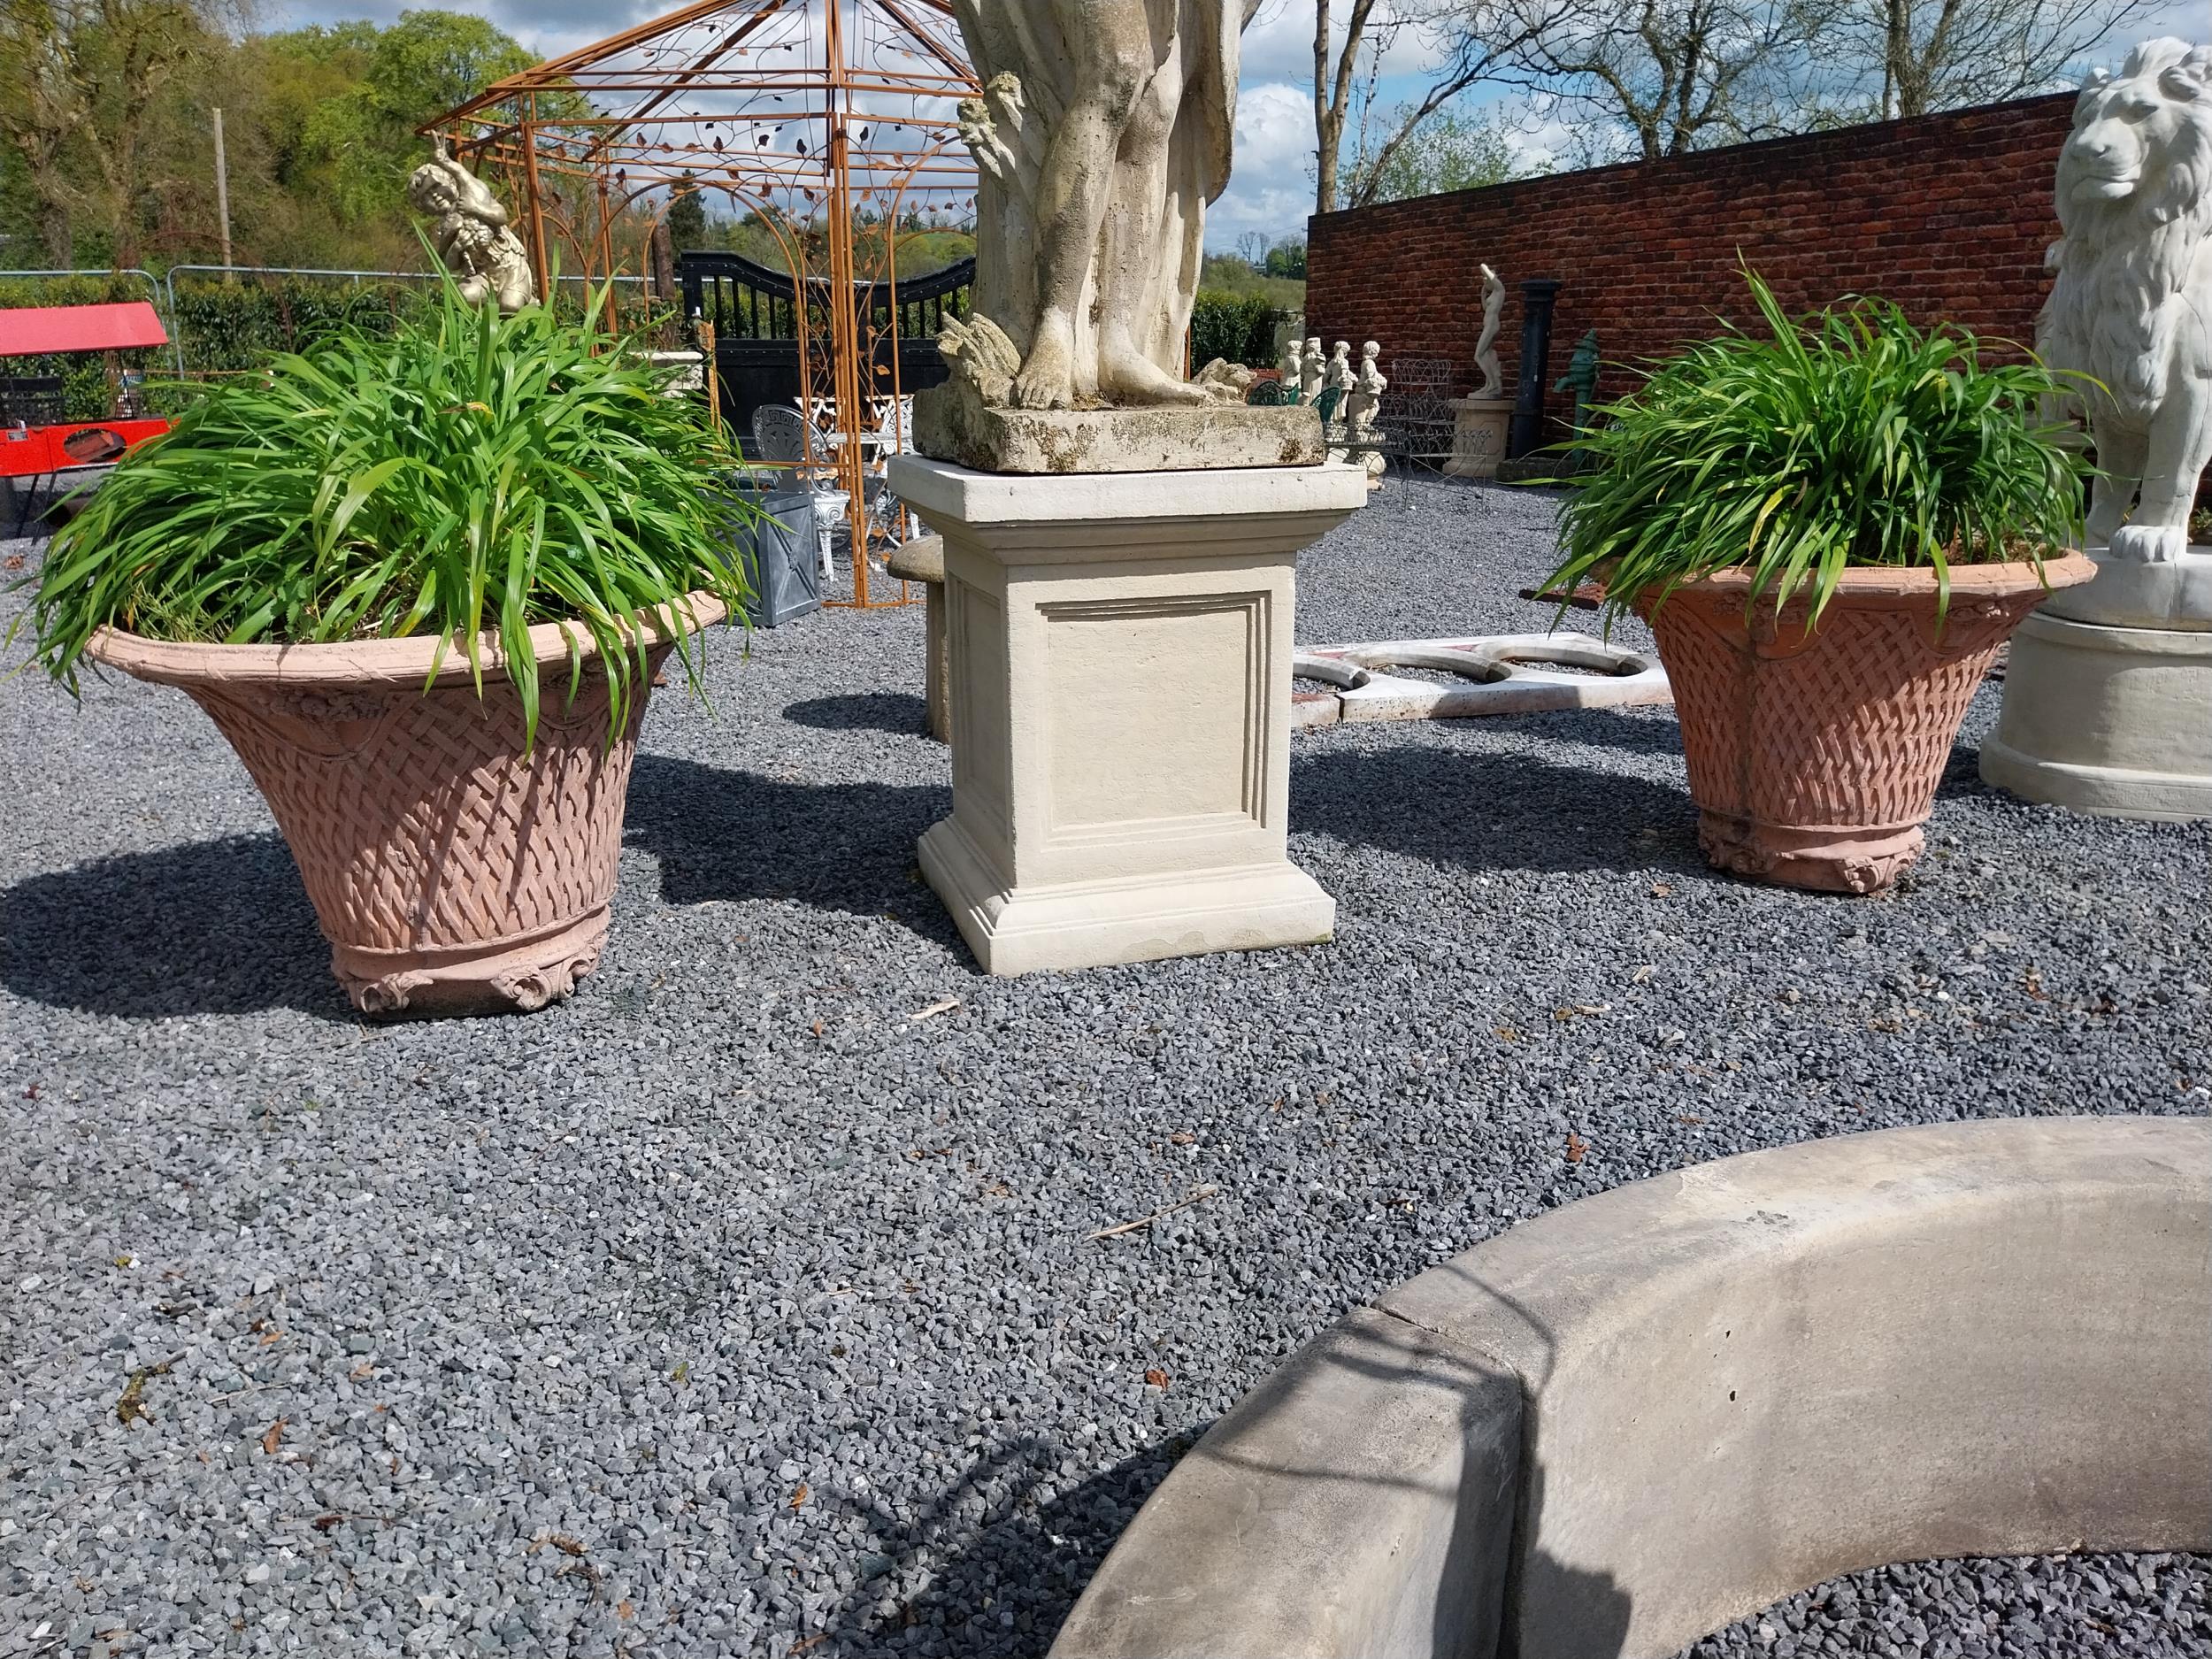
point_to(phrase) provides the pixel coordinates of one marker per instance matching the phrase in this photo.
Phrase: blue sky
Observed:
(1271, 190)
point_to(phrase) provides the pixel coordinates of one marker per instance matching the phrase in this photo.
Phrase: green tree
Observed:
(686, 220)
(420, 67)
(1448, 151)
(83, 85)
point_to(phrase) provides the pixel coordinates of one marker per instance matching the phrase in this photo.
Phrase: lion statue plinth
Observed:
(2131, 308)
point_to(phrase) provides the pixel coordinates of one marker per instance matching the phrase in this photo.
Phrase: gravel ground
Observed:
(2050, 1608)
(740, 1305)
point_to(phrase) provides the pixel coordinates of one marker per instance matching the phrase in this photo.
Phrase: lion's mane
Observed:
(2118, 309)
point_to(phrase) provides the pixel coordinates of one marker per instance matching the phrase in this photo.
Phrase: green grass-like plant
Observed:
(470, 472)
(1852, 437)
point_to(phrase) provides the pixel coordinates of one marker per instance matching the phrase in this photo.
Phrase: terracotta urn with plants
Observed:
(1830, 528)
(423, 585)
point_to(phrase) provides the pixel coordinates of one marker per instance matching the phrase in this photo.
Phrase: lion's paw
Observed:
(2149, 543)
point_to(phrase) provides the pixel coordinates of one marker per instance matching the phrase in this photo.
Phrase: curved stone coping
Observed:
(2172, 594)
(355, 663)
(1623, 1425)
(1505, 674)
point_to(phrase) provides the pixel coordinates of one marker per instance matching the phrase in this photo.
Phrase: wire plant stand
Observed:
(1416, 412)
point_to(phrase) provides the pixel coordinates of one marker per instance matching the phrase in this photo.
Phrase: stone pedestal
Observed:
(922, 560)
(1120, 649)
(1479, 431)
(2108, 695)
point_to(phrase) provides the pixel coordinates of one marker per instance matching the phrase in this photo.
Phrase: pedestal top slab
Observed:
(953, 423)
(980, 498)
(2174, 594)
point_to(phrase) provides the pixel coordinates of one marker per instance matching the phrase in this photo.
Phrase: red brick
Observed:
(1647, 253)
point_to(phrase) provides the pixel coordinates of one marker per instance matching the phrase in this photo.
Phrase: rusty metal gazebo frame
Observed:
(830, 125)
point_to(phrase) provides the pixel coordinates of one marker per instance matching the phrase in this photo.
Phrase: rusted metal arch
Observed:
(667, 104)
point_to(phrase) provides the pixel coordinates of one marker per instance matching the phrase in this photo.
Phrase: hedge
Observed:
(227, 326)
(224, 327)
(1240, 327)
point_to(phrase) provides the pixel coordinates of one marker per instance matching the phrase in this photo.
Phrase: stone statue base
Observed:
(1479, 429)
(952, 423)
(1120, 665)
(2108, 695)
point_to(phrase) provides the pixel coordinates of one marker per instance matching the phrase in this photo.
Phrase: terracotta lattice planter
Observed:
(1814, 754)
(452, 873)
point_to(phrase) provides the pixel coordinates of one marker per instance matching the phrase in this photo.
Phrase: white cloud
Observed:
(1277, 43)
(1270, 180)
(547, 28)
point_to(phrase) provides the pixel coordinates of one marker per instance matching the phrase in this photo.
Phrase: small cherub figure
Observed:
(1315, 371)
(1292, 366)
(1341, 374)
(1337, 381)
(471, 234)
(1360, 403)
(1581, 379)
(1366, 395)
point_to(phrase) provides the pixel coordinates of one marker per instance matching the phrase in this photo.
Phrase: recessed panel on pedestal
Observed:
(1176, 688)
(978, 644)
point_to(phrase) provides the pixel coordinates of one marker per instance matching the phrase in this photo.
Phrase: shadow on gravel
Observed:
(215, 928)
(725, 834)
(1636, 733)
(1028, 1560)
(862, 711)
(1494, 811)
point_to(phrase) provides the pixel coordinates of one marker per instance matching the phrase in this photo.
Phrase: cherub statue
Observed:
(1293, 366)
(471, 235)
(1361, 403)
(1316, 372)
(1341, 373)
(1366, 395)
(1581, 379)
(1487, 344)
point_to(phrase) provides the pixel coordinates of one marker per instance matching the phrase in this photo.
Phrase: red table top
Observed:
(35, 452)
(34, 330)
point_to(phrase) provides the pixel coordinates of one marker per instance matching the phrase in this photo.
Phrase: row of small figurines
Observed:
(1358, 391)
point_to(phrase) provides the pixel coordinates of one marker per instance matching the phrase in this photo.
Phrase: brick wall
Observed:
(1947, 215)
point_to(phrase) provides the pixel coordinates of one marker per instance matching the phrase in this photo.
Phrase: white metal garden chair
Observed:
(779, 434)
(894, 435)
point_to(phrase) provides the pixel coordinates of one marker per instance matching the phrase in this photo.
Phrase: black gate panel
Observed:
(757, 318)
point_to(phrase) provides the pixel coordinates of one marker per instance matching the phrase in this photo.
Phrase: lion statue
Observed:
(2131, 309)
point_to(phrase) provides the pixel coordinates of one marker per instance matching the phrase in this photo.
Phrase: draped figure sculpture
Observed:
(1104, 130)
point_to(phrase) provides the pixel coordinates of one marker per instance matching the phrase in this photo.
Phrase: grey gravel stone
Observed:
(2058, 1605)
(836, 1353)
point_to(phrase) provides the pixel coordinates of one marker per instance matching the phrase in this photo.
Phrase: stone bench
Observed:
(922, 560)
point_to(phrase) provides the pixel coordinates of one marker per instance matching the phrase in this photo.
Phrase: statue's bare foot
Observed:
(1127, 376)
(1047, 380)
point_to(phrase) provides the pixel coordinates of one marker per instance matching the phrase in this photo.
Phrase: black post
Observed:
(1538, 296)
(687, 276)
